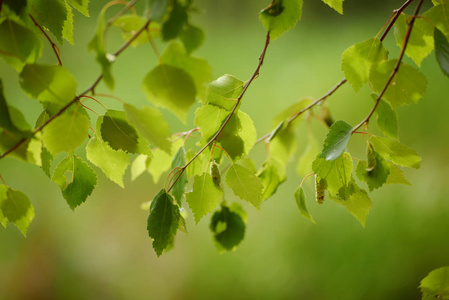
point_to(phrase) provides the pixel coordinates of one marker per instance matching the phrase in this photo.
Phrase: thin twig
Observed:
(396, 13)
(53, 45)
(75, 99)
(120, 13)
(395, 70)
(239, 99)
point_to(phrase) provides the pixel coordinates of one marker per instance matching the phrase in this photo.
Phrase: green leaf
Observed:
(300, 198)
(283, 145)
(335, 4)
(205, 196)
(19, 7)
(228, 229)
(176, 20)
(67, 132)
(396, 152)
(198, 166)
(46, 158)
(67, 30)
(271, 175)
(159, 164)
(396, 176)
(121, 135)
(130, 24)
(358, 204)
(439, 17)
(179, 160)
(224, 91)
(281, 16)
(50, 14)
(245, 184)
(172, 88)
(407, 86)
(338, 173)
(387, 118)
(436, 284)
(192, 37)
(442, 51)
(209, 119)
(151, 124)
(376, 172)
(290, 111)
(113, 163)
(358, 59)
(18, 44)
(158, 9)
(16, 208)
(77, 186)
(163, 221)
(336, 140)
(247, 131)
(49, 84)
(420, 43)
(80, 5)
(198, 68)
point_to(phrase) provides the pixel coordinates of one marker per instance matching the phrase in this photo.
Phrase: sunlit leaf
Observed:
(16, 208)
(436, 284)
(224, 91)
(335, 4)
(336, 140)
(396, 152)
(281, 16)
(300, 198)
(49, 13)
(387, 118)
(80, 5)
(338, 173)
(245, 184)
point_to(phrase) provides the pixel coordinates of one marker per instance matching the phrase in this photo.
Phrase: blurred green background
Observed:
(102, 251)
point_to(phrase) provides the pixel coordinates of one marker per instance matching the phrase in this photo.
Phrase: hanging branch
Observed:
(75, 99)
(395, 70)
(53, 45)
(239, 99)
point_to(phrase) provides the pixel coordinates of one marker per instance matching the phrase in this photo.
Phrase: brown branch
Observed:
(53, 45)
(239, 99)
(395, 70)
(396, 13)
(75, 99)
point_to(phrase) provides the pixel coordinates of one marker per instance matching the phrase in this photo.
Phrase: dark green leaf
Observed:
(376, 172)
(158, 9)
(18, 44)
(272, 175)
(228, 229)
(300, 198)
(336, 140)
(442, 51)
(172, 88)
(192, 37)
(49, 13)
(79, 184)
(163, 221)
(179, 160)
(176, 21)
(17, 6)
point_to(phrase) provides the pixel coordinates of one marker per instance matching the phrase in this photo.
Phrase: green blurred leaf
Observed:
(130, 24)
(139, 166)
(172, 88)
(17, 6)
(387, 118)
(18, 44)
(67, 132)
(396, 152)
(442, 51)
(159, 164)
(80, 5)
(304, 165)
(205, 196)
(300, 198)
(436, 284)
(245, 184)
(158, 9)
(151, 124)
(375, 172)
(439, 17)
(336, 140)
(335, 4)
(396, 176)
(46, 159)
(192, 37)
(49, 84)
(80, 183)
(224, 91)
(228, 229)
(358, 59)
(49, 13)
(163, 221)
(272, 174)
(407, 86)
(179, 160)
(338, 173)
(16, 208)
(198, 166)
(283, 145)
(281, 16)
(176, 20)
(289, 111)
(198, 68)
(420, 43)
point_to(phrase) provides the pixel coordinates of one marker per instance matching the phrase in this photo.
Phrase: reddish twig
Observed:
(53, 45)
